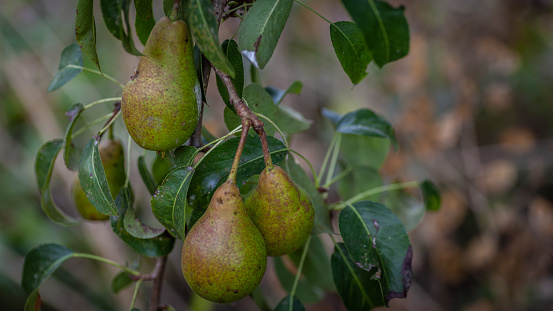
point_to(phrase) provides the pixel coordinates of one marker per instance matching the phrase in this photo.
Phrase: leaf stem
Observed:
(238, 155)
(217, 142)
(112, 79)
(368, 193)
(100, 132)
(327, 157)
(128, 161)
(298, 274)
(107, 261)
(104, 100)
(135, 293)
(310, 9)
(310, 166)
(342, 174)
(91, 124)
(334, 159)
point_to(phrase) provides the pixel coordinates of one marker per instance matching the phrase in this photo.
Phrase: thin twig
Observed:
(157, 276)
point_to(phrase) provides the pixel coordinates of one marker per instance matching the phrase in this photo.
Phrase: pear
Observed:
(113, 161)
(281, 210)
(223, 255)
(160, 104)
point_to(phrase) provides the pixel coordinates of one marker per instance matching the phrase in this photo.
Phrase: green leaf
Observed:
(317, 260)
(154, 247)
(367, 123)
(304, 291)
(70, 152)
(376, 239)
(144, 21)
(358, 288)
(147, 177)
(85, 30)
(168, 7)
(290, 121)
(136, 228)
(278, 94)
(44, 166)
(364, 151)
(351, 49)
(71, 55)
(169, 201)
(409, 209)
(33, 303)
(126, 36)
(203, 26)
(332, 116)
(161, 167)
(359, 180)
(385, 28)
(40, 262)
(93, 179)
(119, 25)
(121, 281)
(261, 29)
(322, 215)
(184, 155)
(230, 48)
(284, 304)
(431, 195)
(259, 101)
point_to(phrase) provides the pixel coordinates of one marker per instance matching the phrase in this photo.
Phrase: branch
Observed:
(157, 276)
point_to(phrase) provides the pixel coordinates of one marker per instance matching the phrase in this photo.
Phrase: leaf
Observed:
(331, 116)
(431, 195)
(409, 209)
(364, 151)
(230, 48)
(304, 291)
(359, 180)
(351, 49)
(154, 247)
(85, 30)
(169, 201)
(167, 7)
(93, 179)
(121, 281)
(44, 166)
(184, 155)
(259, 101)
(126, 36)
(367, 123)
(284, 304)
(204, 27)
(358, 288)
(71, 55)
(136, 228)
(261, 29)
(376, 239)
(147, 177)
(119, 25)
(317, 260)
(70, 152)
(144, 22)
(33, 303)
(290, 121)
(385, 28)
(40, 262)
(161, 167)
(278, 94)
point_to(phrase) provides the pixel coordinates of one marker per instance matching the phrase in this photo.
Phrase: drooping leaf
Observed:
(125, 30)
(284, 304)
(169, 201)
(85, 30)
(184, 155)
(278, 94)
(33, 303)
(155, 247)
(261, 29)
(204, 28)
(305, 291)
(316, 260)
(385, 28)
(40, 262)
(364, 151)
(93, 179)
(144, 19)
(230, 48)
(367, 123)
(147, 177)
(137, 228)
(431, 195)
(116, 18)
(161, 167)
(121, 281)
(358, 288)
(167, 7)
(376, 239)
(44, 166)
(71, 55)
(351, 49)
(70, 152)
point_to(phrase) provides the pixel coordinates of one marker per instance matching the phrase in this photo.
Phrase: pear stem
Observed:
(238, 155)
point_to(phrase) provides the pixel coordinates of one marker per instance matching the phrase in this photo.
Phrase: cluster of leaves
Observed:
(373, 263)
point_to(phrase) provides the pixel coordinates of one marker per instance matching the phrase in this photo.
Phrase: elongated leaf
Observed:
(138, 229)
(284, 304)
(154, 247)
(351, 49)
(290, 121)
(332, 116)
(120, 281)
(70, 152)
(431, 194)
(358, 288)
(125, 30)
(40, 262)
(71, 55)
(85, 30)
(147, 177)
(317, 260)
(44, 166)
(385, 28)
(367, 123)
(278, 94)
(364, 151)
(116, 18)
(304, 291)
(33, 303)
(376, 239)
(359, 180)
(161, 167)
(144, 21)
(184, 155)
(261, 29)
(93, 179)
(409, 209)
(259, 101)
(230, 48)
(169, 201)
(204, 28)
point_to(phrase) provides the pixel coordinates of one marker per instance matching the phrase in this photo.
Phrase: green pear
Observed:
(160, 104)
(281, 210)
(224, 256)
(113, 161)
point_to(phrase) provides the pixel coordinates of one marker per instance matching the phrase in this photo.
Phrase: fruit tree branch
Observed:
(157, 277)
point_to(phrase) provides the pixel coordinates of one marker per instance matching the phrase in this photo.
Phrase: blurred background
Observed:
(471, 104)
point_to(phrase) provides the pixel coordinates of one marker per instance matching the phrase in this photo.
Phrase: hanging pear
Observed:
(281, 210)
(160, 104)
(224, 256)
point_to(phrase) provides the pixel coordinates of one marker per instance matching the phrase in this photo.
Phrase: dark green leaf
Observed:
(290, 121)
(203, 26)
(261, 29)
(304, 291)
(147, 177)
(161, 167)
(70, 152)
(144, 19)
(376, 239)
(230, 48)
(168, 7)
(359, 180)
(117, 24)
(33, 303)
(364, 151)
(409, 209)
(85, 30)
(284, 304)
(358, 288)
(154, 247)
(120, 281)
(169, 201)
(137, 229)
(367, 123)
(125, 30)
(278, 94)
(351, 49)
(93, 179)
(44, 166)
(317, 260)
(385, 28)
(71, 55)
(184, 155)
(322, 215)
(40, 262)
(431, 194)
